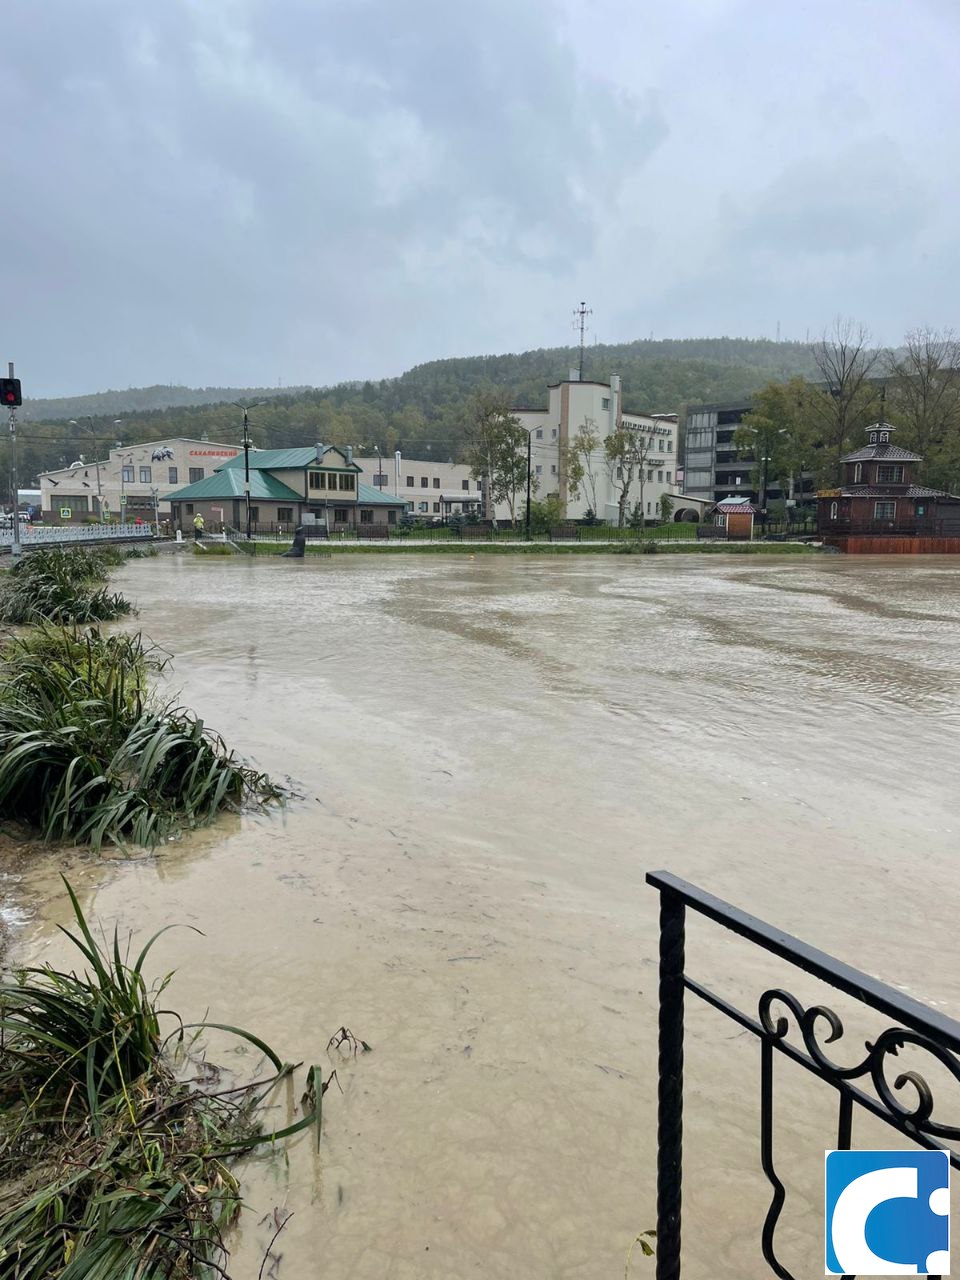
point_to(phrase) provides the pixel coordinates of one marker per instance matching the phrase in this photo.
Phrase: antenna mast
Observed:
(580, 322)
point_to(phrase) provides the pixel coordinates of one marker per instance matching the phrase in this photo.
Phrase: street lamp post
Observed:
(124, 459)
(526, 533)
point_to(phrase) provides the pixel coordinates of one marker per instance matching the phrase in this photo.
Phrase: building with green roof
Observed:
(318, 484)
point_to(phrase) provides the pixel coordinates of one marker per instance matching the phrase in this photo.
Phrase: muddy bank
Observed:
(493, 753)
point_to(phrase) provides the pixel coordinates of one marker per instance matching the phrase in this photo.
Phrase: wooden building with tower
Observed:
(879, 508)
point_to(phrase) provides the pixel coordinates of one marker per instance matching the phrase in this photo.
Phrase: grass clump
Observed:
(88, 755)
(63, 585)
(114, 1151)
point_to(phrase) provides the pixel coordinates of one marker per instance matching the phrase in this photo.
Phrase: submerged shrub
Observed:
(112, 1166)
(87, 755)
(62, 585)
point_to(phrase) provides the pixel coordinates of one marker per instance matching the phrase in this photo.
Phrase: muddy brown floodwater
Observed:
(493, 753)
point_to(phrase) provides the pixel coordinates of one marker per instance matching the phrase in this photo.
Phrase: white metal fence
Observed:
(52, 535)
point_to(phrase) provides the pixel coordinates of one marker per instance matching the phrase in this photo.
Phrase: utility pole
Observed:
(580, 321)
(529, 447)
(15, 549)
(246, 455)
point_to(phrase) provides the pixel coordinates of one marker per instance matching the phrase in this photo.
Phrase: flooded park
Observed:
(488, 755)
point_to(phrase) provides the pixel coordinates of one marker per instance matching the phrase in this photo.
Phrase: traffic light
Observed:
(10, 395)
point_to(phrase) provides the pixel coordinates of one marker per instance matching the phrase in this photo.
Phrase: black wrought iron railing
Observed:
(906, 1103)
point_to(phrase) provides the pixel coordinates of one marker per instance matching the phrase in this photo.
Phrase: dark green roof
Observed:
(274, 459)
(284, 459)
(228, 483)
(367, 496)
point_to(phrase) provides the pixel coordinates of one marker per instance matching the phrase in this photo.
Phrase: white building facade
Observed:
(131, 483)
(431, 490)
(597, 408)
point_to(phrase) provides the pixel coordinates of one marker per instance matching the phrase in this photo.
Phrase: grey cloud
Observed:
(202, 182)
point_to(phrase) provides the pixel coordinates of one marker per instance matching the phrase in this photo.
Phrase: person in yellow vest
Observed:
(198, 526)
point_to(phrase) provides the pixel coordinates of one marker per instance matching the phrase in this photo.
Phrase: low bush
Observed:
(62, 586)
(113, 1166)
(87, 755)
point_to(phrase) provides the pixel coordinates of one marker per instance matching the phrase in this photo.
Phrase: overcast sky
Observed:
(241, 191)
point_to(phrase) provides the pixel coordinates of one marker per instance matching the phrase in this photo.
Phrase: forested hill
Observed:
(100, 404)
(421, 411)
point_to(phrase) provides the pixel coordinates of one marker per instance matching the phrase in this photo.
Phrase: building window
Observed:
(619, 473)
(285, 515)
(318, 480)
(858, 473)
(339, 515)
(669, 481)
(659, 477)
(410, 482)
(146, 475)
(539, 433)
(465, 484)
(78, 504)
(196, 473)
(670, 445)
(887, 473)
(391, 516)
(348, 482)
(380, 480)
(126, 475)
(648, 508)
(189, 508)
(171, 475)
(479, 486)
(553, 468)
(553, 434)
(366, 517)
(736, 479)
(884, 510)
(539, 470)
(605, 402)
(424, 482)
(254, 515)
(650, 475)
(884, 437)
(436, 507)
(833, 511)
(436, 482)
(660, 445)
(423, 506)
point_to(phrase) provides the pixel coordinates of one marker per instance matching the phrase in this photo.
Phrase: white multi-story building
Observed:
(596, 409)
(131, 483)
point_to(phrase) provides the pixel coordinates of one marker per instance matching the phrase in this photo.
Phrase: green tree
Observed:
(579, 461)
(628, 451)
(636, 520)
(666, 508)
(849, 399)
(924, 401)
(781, 430)
(496, 451)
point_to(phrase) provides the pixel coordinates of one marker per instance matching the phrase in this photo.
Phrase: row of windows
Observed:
(345, 482)
(425, 482)
(146, 475)
(885, 510)
(660, 476)
(887, 473)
